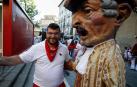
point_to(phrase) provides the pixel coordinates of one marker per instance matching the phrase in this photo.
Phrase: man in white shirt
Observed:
(49, 55)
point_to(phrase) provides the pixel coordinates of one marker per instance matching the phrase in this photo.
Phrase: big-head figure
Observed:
(96, 22)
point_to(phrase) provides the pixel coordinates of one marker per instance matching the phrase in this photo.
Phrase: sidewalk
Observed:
(131, 77)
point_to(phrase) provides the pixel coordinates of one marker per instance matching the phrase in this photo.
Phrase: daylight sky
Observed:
(48, 7)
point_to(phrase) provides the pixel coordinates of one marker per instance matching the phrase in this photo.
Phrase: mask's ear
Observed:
(124, 12)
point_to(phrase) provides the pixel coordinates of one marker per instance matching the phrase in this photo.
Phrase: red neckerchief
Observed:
(49, 51)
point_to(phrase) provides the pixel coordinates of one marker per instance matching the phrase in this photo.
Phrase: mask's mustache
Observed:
(81, 31)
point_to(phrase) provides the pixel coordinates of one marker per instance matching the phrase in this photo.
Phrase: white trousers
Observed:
(132, 63)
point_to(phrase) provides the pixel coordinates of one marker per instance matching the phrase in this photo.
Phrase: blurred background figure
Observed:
(38, 38)
(77, 49)
(126, 54)
(43, 35)
(71, 47)
(134, 56)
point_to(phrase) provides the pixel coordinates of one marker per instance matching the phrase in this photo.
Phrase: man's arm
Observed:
(10, 61)
(69, 63)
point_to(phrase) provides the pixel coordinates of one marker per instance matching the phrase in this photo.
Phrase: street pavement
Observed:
(70, 77)
(131, 77)
(22, 76)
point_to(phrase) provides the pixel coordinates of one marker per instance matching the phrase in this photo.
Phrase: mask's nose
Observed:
(76, 20)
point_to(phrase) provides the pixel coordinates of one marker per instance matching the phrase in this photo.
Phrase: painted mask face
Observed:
(91, 24)
(52, 36)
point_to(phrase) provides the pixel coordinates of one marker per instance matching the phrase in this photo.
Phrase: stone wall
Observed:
(126, 34)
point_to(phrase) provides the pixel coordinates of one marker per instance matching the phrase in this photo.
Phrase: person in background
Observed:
(69, 40)
(38, 38)
(71, 48)
(43, 33)
(77, 49)
(130, 59)
(126, 54)
(96, 22)
(49, 56)
(134, 55)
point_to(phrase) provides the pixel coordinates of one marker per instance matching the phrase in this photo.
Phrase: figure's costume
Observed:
(105, 67)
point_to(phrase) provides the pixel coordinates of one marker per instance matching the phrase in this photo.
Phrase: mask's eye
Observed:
(88, 10)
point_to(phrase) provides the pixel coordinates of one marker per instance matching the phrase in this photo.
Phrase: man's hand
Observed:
(70, 65)
(10, 61)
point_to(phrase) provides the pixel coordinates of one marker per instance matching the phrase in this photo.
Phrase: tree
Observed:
(30, 7)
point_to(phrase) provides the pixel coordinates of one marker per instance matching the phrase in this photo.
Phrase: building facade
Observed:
(44, 22)
(65, 19)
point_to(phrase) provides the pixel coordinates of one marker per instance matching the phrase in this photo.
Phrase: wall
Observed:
(17, 29)
(22, 30)
(128, 30)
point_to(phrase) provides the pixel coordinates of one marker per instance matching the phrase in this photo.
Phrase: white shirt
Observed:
(83, 60)
(78, 46)
(68, 42)
(47, 74)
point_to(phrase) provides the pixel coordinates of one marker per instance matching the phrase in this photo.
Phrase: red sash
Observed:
(34, 85)
(49, 51)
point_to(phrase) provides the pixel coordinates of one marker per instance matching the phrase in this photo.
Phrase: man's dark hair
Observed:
(43, 35)
(53, 26)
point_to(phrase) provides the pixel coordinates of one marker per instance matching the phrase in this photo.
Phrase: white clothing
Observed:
(136, 67)
(78, 46)
(132, 63)
(129, 55)
(126, 54)
(76, 50)
(47, 74)
(68, 42)
(83, 60)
